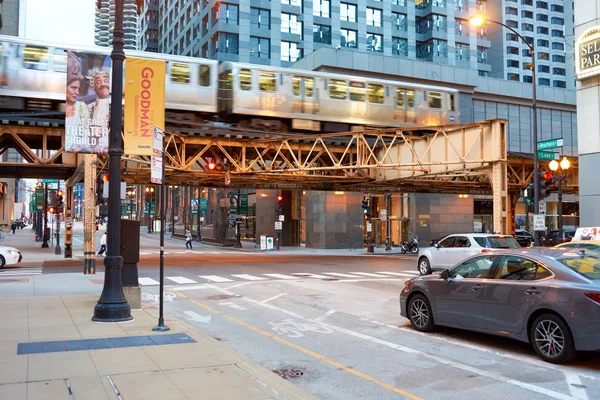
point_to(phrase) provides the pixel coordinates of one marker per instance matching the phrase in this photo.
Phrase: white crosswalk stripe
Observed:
(397, 273)
(20, 271)
(249, 277)
(340, 274)
(280, 276)
(307, 275)
(369, 274)
(180, 279)
(215, 278)
(148, 282)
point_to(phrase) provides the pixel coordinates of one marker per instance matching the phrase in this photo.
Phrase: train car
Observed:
(305, 99)
(34, 73)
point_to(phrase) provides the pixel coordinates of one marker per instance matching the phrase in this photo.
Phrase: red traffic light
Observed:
(105, 178)
(60, 193)
(279, 198)
(51, 210)
(211, 165)
(547, 176)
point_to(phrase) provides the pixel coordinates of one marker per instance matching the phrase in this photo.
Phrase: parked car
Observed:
(455, 248)
(9, 255)
(436, 240)
(524, 238)
(553, 238)
(547, 297)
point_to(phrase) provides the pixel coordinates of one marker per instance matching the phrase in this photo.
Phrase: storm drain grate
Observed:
(221, 297)
(290, 373)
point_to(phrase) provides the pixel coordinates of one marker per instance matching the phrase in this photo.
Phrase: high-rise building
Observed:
(148, 27)
(105, 20)
(9, 17)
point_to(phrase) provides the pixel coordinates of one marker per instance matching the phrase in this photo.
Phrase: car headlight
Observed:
(12, 252)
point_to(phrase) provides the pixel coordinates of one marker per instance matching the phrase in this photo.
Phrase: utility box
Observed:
(263, 242)
(269, 243)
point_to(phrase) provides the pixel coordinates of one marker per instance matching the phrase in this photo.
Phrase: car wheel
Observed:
(424, 266)
(2, 262)
(551, 339)
(419, 313)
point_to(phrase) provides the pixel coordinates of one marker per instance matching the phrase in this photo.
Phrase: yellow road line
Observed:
(309, 352)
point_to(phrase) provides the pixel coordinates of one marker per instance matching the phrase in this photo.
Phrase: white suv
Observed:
(455, 248)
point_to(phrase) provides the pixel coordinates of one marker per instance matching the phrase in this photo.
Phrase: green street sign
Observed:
(39, 199)
(123, 209)
(550, 144)
(547, 155)
(244, 204)
(47, 180)
(203, 206)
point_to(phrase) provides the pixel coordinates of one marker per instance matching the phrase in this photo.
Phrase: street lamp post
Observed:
(562, 175)
(149, 192)
(112, 305)
(479, 20)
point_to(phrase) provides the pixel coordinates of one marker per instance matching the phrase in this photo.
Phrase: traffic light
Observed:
(545, 183)
(59, 199)
(365, 206)
(528, 197)
(52, 209)
(279, 203)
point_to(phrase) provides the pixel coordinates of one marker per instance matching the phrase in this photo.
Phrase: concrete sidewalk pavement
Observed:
(81, 359)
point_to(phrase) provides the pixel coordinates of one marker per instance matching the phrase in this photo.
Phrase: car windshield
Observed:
(497, 242)
(584, 262)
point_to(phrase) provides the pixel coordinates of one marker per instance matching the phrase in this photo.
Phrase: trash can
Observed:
(269, 243)
(263, 242)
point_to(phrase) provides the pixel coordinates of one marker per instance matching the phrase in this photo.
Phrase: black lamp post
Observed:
(561, 174)
(112, 305)
(479, 20)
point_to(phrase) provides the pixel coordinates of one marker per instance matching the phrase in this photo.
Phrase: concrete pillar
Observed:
(587, 25)
(89, 214)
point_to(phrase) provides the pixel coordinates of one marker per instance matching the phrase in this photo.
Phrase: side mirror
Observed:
(436, 245)
(445, 274)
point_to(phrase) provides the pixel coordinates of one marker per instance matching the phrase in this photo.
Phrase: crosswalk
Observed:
(20, 271)
(203, 279)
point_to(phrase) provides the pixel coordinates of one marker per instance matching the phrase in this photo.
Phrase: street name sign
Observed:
(539, 222)
(548, 155)
(550, 144)
(47, 180)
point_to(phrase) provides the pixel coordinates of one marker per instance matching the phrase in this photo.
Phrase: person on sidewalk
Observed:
(102, 245)
(188, 239)
(13, 227)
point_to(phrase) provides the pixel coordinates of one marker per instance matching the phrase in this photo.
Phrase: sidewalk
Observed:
(50, 349)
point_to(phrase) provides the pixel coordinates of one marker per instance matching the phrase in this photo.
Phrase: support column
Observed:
(89, 214)
(69, 217)
(498, 177)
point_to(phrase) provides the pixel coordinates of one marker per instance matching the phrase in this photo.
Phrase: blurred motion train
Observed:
(32, 78)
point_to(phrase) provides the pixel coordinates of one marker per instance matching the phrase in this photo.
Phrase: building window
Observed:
(527, 66)
(461, 52)
(541, 4)
(557, 21)
(225, 43)
(461, 5)
(557, 8)
(400, 47)
(558, 46)
(290, 24)
(399, 21)
(227, 13)
(348, 38)
(512, 77)
(541, 17)
(260, 47)
(543, 68)
(544, 82)
(461, 27)
(322, 8)
(373, 16)
(511, 11)
(511, 37)
(527, 2)
(512, 50)
(205, 25)
(512, 63)
(513, 24)
(321, 34)
(260, 19)
(374, 42)
(434, 47)
(433, 22)
(543, 56)
(542, 43)
(558, 71)
(297, 3)
(482, 55)
(527, 78)
(289, 51)
(399, 2)
(557, 33)
(348, 12)
(559, 84)
(526, 14)
(483, 73)
(557, 58)
(542, 30)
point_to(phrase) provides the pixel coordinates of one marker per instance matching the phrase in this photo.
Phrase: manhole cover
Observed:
(290, 373)
(221, 297)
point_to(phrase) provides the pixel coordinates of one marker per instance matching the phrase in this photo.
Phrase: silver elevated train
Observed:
(257, 96)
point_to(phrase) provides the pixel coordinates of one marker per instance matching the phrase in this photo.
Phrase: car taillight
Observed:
(594, 296)
(485, 250)
(566, 240)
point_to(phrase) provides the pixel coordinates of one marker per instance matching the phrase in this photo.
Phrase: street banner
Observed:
(194, 205)
(144, 104)
(87, 109)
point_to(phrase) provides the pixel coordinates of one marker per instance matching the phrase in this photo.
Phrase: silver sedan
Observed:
(547, 297)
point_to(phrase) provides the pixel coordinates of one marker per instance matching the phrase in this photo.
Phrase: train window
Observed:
(204, 77)
(308, 86)
(59, 60)
(400, 97)
(245, 79)
(337, 89)
(451, 105)
(35, 58)
(376, 94)
(410, 97)
(357, 91)
(180, 73)
(225, 80)
(268, 83)
(296, 85)
(434, 99)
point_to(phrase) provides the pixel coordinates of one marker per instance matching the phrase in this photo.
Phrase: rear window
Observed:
(585, 263)
(497, 242)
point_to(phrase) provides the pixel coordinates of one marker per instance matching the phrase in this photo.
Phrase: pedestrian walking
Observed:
(102, 245)
(188, 239)
(13, 227)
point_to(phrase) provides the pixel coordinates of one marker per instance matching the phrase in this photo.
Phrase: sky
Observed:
(66, 21)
